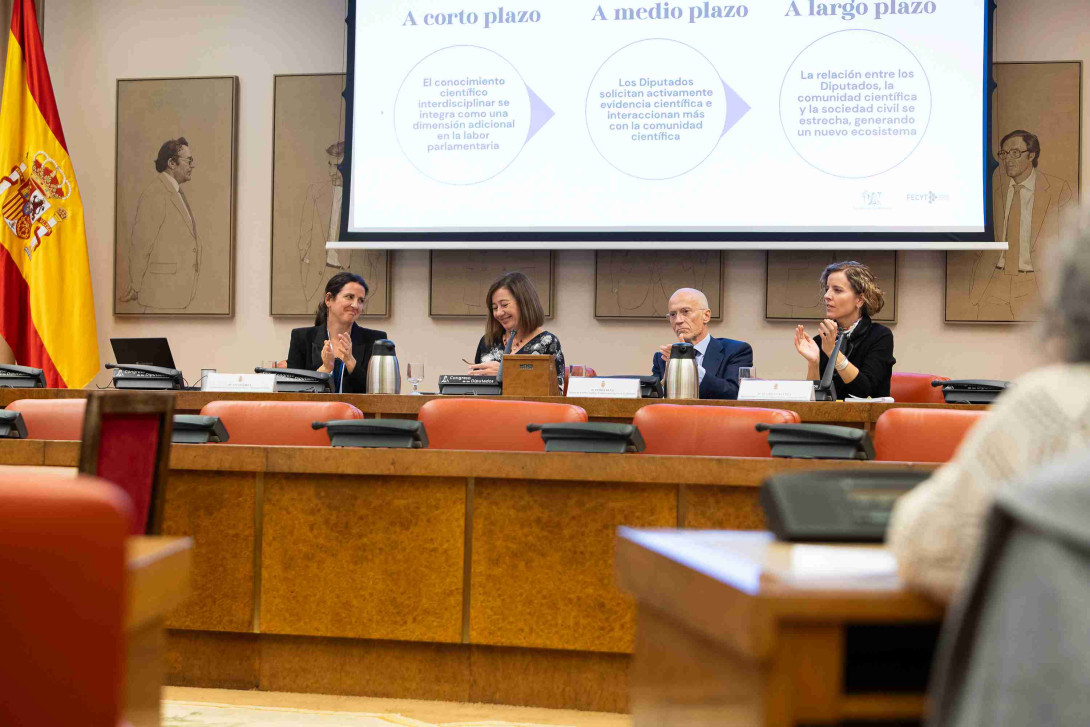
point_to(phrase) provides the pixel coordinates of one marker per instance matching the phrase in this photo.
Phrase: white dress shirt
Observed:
(701, 349)
(1025, 262)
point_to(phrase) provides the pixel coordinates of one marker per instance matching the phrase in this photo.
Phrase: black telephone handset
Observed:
(145, 376)
(21, 377)
(299, 380)
(971, 391)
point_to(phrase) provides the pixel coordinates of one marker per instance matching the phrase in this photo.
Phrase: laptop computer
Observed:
(148, 351)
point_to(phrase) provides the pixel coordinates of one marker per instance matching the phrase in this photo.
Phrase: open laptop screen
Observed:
(149, 351)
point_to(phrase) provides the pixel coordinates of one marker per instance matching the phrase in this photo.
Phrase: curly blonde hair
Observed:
(863, 281)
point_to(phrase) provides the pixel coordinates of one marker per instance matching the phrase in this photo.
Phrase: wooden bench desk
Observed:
(726, 636)
(602, 410)
(158, 582)
(428, 574)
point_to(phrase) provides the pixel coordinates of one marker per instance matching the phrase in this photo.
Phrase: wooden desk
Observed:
(158, 581)
(724, 637)
(427, 574)
(605, 410)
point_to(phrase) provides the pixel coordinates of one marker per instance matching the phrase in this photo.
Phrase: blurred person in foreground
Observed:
(1044, 416)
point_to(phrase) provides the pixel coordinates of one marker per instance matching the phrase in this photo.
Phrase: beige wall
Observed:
(91, 44)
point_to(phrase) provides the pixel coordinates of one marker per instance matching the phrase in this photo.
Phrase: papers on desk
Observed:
(870, 400)
(841, 566)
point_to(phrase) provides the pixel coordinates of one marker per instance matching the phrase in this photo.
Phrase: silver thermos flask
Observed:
(383, 373)
(682, 379)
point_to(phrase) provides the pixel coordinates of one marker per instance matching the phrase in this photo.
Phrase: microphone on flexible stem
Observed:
(825, 390)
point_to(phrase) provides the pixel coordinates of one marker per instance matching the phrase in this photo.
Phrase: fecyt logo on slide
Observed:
(657, 108)
(855, 103)
(464, 113)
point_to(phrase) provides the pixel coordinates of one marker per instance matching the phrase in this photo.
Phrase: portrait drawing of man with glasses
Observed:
(1029, 209)
(165, 250)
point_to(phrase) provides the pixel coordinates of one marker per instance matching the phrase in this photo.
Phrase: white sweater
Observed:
(936, 528)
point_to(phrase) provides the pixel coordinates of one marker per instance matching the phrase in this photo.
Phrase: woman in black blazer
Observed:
(864, 365)
(335, 344)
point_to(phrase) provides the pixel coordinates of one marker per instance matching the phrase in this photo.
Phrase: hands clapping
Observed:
(806, 346)
(338, 347)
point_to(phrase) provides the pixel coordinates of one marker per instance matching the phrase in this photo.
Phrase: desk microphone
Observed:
(825, 390)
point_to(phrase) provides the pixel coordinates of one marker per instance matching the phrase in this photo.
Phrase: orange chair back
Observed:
(916, 388)
(51, 418)
(722, 431)
(62, 546)
(279, 422)
(491, 424)
(908, 434)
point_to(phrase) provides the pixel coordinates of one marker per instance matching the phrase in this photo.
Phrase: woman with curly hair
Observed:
(864, 365)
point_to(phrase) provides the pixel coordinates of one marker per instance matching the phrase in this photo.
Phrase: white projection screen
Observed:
(567, 124)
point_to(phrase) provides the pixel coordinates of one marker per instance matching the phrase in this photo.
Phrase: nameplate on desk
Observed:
(253, 383)
(604, 388)
(775, 390)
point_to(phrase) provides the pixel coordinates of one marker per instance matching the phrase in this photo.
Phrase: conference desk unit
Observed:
(728, 634)
(431, 574)
(402, 406)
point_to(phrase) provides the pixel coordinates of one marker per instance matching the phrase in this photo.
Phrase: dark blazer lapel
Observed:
(316, 346)
(360, 343)
(713, 357)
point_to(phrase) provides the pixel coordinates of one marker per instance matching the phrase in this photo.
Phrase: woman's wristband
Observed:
(841, 362)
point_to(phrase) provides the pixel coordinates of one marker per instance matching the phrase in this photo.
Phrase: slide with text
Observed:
(769, 116)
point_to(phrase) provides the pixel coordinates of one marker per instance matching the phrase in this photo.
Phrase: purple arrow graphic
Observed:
(736, 108)
(540, 113)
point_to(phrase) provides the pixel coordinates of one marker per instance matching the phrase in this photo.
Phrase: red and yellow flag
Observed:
(47, 311)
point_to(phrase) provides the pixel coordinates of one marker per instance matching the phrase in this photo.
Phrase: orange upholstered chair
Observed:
(62, 546)
(916, 388)
(722, 431)
(908, 434)
(279, 422)
(491, 424)
(51, 418)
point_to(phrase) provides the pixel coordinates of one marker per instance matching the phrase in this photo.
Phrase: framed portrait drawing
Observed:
(174, 217)
(791, 282)
(1036, 141)
(638, 284)
(308, 148)
(460, 279)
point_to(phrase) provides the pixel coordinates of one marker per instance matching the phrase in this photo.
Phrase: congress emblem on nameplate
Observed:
(29, 200)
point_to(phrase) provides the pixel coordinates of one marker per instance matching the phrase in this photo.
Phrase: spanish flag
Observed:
(47, 311)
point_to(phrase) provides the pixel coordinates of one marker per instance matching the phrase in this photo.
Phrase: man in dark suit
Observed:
(717, 359)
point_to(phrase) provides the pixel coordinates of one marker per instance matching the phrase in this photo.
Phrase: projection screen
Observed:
(690, 124)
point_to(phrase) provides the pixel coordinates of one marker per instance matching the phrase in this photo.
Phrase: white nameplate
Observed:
(775, 390)
(604, 388)
(240, 382)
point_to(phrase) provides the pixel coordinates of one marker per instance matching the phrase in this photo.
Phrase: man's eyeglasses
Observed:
(684, 313)
(187, 160)
(1013, 153)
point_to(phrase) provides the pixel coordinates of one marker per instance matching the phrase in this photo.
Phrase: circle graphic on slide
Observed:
(656, 109)
(855, 103)
(462, 114)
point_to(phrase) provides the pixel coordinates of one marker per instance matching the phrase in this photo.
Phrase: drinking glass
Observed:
(577, 370)
(747, 372)
(416, 375)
